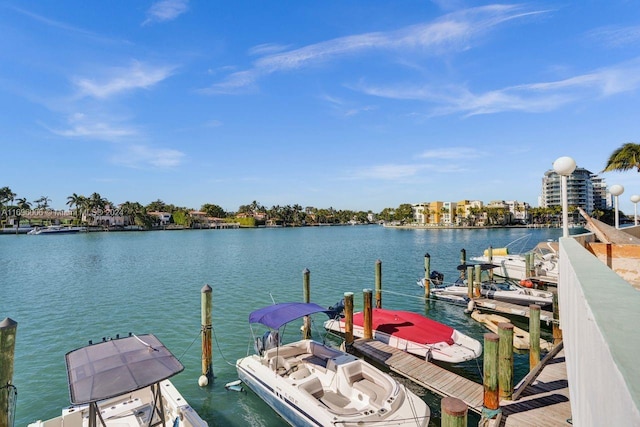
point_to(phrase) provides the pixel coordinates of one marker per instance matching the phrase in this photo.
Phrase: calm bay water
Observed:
(64, 290)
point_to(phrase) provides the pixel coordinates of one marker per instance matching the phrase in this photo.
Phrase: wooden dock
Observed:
(426, 374)
(508, 308)
(541, 399)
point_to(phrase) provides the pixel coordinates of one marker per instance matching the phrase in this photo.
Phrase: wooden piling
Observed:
(306, 291)
(557, 332)
(534, 336)
(368, 315)
(470, 291)
(490, 261)
(427, 274)
(527, 265)
(205, 318)
(490, 379)
(477, 282)
(8, 329)
(454, 412)
(348, 319)
(505, 360)
(378, 283)
(463, 260)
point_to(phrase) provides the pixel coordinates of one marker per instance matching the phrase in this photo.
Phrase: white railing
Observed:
(600, 321)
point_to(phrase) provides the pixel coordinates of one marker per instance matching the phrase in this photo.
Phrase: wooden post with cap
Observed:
(378, 283)
(505, 360)
(306, 285)
(348, 319)
(427, 274)
(368, 315)
(454, 412)
(205, 317)
(8, 329)
(491, 399)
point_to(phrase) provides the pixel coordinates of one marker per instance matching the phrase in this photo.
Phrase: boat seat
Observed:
(300, 374)
(279, 363)
(376, 393)
(313, 387)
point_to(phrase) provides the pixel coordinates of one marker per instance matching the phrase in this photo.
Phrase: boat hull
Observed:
(523, 297)
(455, 347)
(321, 387)
(130, 410)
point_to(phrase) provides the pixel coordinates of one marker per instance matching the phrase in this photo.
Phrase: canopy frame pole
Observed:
(157, 401)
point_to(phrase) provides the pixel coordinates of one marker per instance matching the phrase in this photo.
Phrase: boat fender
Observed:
(471, 305)
(428, 357)
(526, 283)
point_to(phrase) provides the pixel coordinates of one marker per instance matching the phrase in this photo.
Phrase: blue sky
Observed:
(355, 105)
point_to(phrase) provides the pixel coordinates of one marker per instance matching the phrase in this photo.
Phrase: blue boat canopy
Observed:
(274, 316)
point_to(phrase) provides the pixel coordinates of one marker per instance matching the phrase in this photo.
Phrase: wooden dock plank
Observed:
(542, 402)
(426, 374)
(508, 308)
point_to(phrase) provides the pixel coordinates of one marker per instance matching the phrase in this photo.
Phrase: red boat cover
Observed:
(407, 325)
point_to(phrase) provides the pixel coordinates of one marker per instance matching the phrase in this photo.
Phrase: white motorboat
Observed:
(500, 291)
(415, 334)
(55, 229)
(310, 384)
(124, 383)
(513, 265)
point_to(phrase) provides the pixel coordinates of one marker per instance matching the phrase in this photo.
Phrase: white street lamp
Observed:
(564, 166)
(616, 190)
(635, 199)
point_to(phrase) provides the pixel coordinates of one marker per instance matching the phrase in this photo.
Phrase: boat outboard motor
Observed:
(270, 339)
(436, 278)
(336, 310)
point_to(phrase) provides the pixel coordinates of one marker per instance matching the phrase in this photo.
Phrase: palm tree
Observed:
(42, 202)
(77, 201)
(624, 158)
(23, 205)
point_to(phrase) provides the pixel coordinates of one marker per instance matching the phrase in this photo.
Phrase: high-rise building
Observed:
(584, 189)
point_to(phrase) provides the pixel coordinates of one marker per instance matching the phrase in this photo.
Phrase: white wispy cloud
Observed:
(62, 25)
(166, 10)
(267, 49)
(138, 75)
(453, 32)
(143, 156)
(81, 126)
(533, 97)
(451, 153)
(615, 36)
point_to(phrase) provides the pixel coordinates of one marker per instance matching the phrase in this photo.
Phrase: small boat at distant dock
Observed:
(56, 229)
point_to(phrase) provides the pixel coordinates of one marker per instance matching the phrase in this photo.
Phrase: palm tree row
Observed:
(625, 158)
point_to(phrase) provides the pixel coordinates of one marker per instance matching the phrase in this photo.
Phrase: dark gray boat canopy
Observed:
(119, 366)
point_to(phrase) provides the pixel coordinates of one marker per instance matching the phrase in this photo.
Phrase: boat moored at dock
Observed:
(415, 334)
(57, 229)
(124, 382)
(310, 384)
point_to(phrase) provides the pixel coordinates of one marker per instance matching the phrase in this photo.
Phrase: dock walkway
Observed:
(426, 374)
(541, 399)
(508, 308)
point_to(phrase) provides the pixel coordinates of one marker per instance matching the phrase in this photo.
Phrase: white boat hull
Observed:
(463, 349)
(131, 410)
(519, 296)
(308, 384)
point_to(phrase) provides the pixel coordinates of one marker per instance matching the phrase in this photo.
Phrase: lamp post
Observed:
(564, 166)
(635, 199)
(616, 190)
